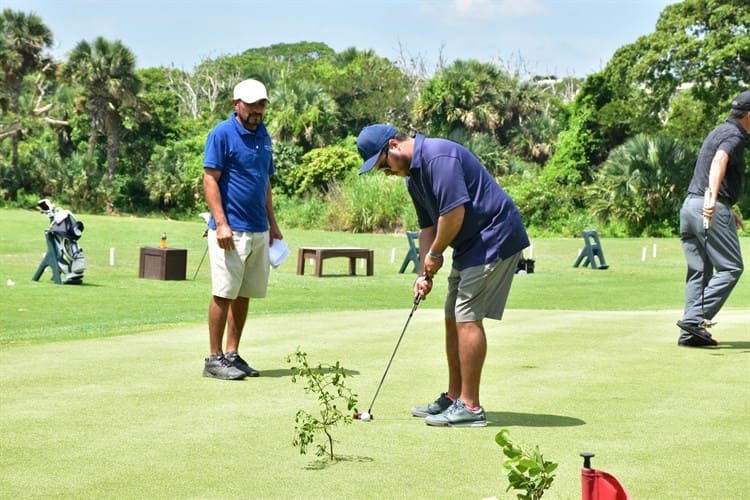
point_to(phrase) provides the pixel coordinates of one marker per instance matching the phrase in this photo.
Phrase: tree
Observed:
(302, 113)
(23, 37)
(642, 184)
(703, 43)
(482, 99)
(367, 89)
(106, 73)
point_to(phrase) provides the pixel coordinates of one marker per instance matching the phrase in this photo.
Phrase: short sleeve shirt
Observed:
(245, 159)
(445, 175)
(729, 137)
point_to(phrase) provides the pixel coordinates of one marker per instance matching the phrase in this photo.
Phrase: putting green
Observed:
(131, 416)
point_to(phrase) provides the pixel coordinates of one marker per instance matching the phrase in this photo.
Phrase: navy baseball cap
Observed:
(371, 141)
(742, 101)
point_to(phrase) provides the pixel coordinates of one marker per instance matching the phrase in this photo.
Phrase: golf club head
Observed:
(364, 416)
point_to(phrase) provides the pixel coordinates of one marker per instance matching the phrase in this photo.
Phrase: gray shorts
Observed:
(242, 272)
(480, 292)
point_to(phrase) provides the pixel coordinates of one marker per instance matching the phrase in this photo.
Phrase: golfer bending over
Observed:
(460, 205)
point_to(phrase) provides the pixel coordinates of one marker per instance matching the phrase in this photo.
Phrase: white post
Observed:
(654, 252)
(393, 255)
(643, 255)
(112, 256)
(531, 251)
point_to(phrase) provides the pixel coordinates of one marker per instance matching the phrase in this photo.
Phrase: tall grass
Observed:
(370, 203)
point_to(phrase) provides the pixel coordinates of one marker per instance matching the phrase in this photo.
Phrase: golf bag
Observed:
(62, 242)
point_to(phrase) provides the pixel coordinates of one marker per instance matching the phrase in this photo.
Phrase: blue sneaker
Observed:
(442, 403)
(458, 415)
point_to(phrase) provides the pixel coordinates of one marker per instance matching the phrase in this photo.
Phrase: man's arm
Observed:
(715, 177)
(213, 198)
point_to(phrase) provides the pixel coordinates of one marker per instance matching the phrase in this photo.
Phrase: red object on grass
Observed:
(599, 485)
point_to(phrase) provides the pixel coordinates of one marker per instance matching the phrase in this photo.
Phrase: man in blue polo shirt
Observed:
(708, 225)
(458, 204)
(238, 163)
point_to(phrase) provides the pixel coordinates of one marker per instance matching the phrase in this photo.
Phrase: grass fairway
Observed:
(101, 394)
(130, 417)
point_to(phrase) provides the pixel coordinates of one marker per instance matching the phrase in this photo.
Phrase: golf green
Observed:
(132, 417)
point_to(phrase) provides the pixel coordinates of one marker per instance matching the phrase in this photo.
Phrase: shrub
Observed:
(527, 470)
(327, 383)
(369, 203)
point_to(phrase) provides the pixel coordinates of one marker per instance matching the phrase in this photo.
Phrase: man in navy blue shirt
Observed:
(459, 205)
(238, 163)
(708, 225)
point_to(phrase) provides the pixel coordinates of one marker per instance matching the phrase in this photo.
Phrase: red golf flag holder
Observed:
(599, 485)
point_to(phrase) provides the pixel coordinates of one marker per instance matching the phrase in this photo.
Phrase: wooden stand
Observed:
(319, 254)
(49, 260)
(163, 263)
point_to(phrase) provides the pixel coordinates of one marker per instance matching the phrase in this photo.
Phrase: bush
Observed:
(322, 166)
(369, 203)
(547, 207)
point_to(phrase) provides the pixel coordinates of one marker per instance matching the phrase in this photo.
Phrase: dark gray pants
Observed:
(714, 265)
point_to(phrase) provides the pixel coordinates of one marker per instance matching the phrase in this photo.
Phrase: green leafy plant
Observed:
(327, 383)
(526, 469)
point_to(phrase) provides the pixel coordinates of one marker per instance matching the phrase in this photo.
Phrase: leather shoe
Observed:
(699, 333)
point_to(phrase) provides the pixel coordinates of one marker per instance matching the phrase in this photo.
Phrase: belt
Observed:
(721, 199)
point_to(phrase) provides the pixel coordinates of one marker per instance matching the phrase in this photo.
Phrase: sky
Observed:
(535, 37)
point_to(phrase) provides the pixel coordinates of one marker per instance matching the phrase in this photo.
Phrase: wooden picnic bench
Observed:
(319, 254)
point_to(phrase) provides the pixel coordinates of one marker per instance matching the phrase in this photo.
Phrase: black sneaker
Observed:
(217, 366)
(442, 403)
(701, 335)
(691, 341)
(241, 364)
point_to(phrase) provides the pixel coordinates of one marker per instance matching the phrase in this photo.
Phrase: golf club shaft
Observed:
(414, 308)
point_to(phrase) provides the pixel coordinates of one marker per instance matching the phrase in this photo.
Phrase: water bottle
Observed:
(163, 243)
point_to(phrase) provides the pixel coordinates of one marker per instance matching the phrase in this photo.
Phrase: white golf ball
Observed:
(365, 416)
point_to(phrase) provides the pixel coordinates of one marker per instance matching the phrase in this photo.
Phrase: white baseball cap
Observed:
(250, 91)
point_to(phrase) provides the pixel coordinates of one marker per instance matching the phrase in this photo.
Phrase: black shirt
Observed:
(729, 137)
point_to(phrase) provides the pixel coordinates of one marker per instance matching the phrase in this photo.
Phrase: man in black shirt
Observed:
(708, 225)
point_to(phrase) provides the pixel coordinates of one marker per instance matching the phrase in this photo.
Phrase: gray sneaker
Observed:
(441, 404)
(458, 415)
(241, 364)
(217, 366)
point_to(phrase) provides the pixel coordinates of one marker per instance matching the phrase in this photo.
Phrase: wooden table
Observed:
(319, 254)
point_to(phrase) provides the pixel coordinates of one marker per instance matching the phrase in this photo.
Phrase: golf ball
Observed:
(365, 416)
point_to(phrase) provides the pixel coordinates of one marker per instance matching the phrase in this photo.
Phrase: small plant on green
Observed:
(526, 469)
(327, 383)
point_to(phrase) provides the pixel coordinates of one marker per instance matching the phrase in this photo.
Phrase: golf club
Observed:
(706, 226)
(367, 416)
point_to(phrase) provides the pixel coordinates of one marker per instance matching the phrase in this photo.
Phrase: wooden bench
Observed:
(320, 254)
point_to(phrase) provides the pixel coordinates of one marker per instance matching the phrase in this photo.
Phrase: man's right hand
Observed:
(225, 237)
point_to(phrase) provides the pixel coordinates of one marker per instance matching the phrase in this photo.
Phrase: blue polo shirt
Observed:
(444, 175)
(245, 159)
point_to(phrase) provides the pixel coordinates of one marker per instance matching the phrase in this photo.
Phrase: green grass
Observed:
(102, 395)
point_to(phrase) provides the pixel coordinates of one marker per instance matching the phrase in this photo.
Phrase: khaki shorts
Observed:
(480, 292)
(242, 272)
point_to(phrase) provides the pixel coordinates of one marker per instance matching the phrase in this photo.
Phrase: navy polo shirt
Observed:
(444, 175)
(245, 159)
(729, 137)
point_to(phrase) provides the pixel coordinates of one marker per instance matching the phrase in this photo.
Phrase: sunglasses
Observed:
(383, 165)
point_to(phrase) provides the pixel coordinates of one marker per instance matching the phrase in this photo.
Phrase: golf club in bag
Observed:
(64, 255)
(367, 416)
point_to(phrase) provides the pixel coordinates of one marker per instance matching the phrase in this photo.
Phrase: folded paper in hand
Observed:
(277, 252)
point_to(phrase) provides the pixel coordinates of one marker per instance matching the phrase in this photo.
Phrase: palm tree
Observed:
(642, 184)
(301, 113)
(106, 72)
(23, 37)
